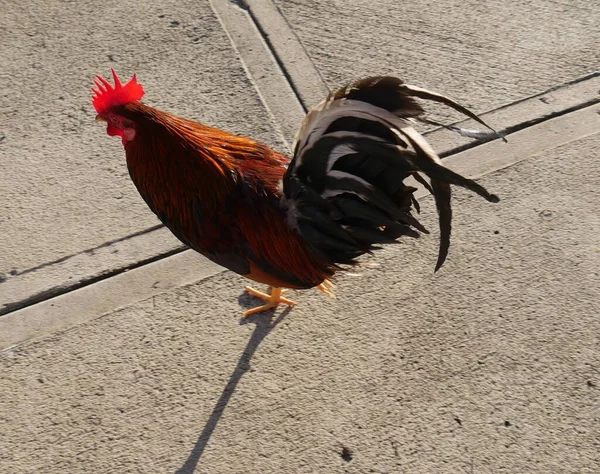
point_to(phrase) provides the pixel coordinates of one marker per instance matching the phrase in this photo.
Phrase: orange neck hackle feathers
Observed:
(107, 96)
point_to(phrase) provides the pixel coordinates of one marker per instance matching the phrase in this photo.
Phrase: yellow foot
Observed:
(273, 300)
(326, 287)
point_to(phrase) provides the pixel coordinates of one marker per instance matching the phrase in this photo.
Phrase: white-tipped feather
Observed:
(418, 142)
(342, 174)
(337, 152)
(319, 120)
(329, 193)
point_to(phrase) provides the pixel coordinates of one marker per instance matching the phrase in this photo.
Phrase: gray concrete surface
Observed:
(491, 365)
(487, 53)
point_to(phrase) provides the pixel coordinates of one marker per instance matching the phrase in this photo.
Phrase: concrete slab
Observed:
(262, 67)
(285, 45)
(66, 191)
(485, 54)
(491, 365)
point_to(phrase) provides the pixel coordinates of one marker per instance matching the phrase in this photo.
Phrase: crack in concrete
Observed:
(68, 288)
(507, 131)
(88, 251)
(277, 58)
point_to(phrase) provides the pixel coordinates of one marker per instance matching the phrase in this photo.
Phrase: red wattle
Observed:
(114, 131)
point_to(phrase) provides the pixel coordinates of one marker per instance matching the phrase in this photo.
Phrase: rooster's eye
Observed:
(114, 121)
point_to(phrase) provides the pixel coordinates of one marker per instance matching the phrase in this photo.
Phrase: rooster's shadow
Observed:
(264, 325)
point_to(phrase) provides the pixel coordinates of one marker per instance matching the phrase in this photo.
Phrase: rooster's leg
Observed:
(272, 300)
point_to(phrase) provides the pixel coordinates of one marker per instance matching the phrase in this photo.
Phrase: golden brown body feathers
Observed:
(219, 194)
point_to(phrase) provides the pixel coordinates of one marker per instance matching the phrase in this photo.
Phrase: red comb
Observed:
(107, 96)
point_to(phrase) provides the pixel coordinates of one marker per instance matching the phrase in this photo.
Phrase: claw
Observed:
(272, 301)
(325, 288)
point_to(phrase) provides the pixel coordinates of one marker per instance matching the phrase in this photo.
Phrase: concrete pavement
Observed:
(122, 352)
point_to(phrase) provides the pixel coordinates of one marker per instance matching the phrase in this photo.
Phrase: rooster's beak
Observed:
(100, 119)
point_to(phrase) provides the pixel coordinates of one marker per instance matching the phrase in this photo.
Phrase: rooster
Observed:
(288, 223)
